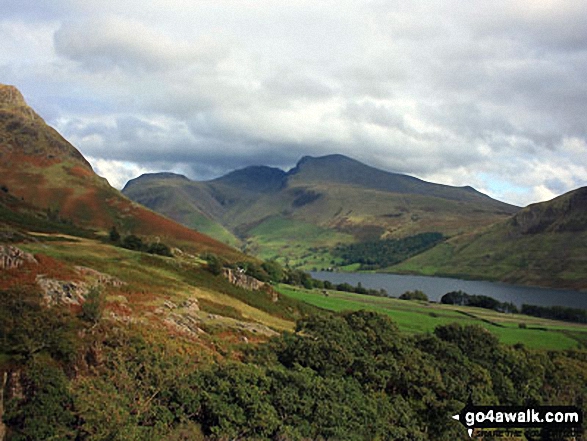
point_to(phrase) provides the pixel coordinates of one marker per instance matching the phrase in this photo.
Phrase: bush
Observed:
(215, 265)
(159, 248)
(114, 235)
(29, 329)
(93, 307)
(45, 411)
(132, 242)
(414, 295)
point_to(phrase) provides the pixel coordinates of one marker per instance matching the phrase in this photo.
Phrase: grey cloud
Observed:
(372, 113)
(292, 85)
(105, 43)
(454, 90)
(550, 26)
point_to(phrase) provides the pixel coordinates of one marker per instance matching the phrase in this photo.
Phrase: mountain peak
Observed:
(154, 177)
(10, 95)
(26, 135)
(342, 170)
(256, 178)
(325, 160)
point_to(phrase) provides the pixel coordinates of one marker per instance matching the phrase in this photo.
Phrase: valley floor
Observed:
(423, 317)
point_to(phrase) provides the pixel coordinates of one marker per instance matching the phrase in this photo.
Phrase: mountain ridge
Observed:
(331, 169)
(41, 167)
(328, 199)
(543, 244)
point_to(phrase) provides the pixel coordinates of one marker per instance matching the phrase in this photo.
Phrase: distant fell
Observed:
(259, 179)
(341, 169)
(566, 213)
(318, 204)
(543, 244)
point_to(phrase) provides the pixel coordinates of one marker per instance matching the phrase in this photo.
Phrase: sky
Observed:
(491, 94)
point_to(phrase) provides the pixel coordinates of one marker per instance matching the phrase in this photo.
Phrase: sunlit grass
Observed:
(421, 317)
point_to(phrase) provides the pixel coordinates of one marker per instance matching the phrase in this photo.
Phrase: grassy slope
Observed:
(554, 259)
(79, 195)
(183, 201)
(349, 212)
(152, 280)
(290, 241)
(344, 214)
(417, 317)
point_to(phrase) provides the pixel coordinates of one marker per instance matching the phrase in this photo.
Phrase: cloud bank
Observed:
(461, 93)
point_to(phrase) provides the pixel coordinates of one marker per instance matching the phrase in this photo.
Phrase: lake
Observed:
(436, 287)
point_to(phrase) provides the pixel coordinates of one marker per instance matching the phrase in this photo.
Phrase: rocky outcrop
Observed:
(185, 323)
(240, 279)
(74, 292)
(12, 257)
(191, 305)
(99, 278)
(62, 291)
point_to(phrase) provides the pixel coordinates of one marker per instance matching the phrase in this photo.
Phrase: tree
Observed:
(159, 248)
(215, 265)
(414, 295)
(236, 403)
(93, 307)
(114, 235)
(133, 242)
(273, 270)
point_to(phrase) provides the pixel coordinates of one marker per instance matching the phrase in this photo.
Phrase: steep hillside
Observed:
(38, 166)
(543, 244)
(319, 203)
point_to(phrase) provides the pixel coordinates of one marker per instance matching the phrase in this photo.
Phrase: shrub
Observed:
(159, 248)
(215, 265)
(133, 242)
(114, 235)
(414, 295)
(93, 307)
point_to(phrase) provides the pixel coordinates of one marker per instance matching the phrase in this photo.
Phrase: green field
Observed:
(295, 243)
(422, 317)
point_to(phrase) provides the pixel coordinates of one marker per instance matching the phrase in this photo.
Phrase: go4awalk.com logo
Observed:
(567, 419)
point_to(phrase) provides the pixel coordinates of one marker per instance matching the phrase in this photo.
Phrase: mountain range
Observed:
(301, 216)
(296, 216)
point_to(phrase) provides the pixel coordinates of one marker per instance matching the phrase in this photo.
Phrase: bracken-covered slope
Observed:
(543, 244)
(319, 203)
(38, 166)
